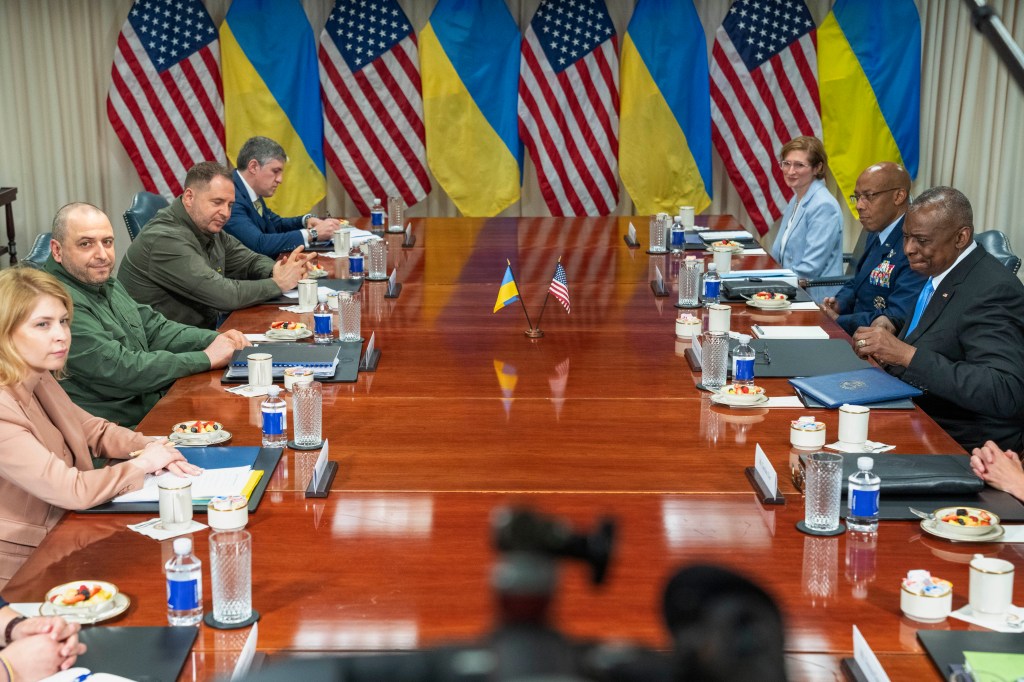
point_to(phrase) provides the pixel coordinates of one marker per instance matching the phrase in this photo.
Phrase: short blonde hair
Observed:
(20, 290)
(815, 152)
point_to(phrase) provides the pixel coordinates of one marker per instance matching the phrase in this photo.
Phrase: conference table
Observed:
(601, 416)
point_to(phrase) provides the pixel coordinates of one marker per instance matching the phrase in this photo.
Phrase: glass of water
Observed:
(377, 259)
(396, 214)
(714, 359)
(231, 572)
(658, 229)
(823, 485)
(308, 413)
(689, 282)
(349, 312)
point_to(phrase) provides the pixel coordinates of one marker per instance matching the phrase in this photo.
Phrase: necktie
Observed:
(922, 303)
(259, 207)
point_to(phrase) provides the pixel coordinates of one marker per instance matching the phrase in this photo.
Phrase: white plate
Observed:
(731, 401)
(769, 305)
(288, 334)
(120, 604)
(933, 528)
(194, 439)
(317, 274)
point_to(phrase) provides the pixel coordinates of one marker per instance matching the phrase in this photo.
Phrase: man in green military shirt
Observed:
(123, 354)
(187, 268)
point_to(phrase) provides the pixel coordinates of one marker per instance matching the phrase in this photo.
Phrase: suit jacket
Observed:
(269, 234)
(970, 354)
(815, 246)
(883, 285)
(46, 449)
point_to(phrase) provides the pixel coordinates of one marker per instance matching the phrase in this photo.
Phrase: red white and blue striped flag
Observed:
(764, 92)
(559, 287)
(166, 102)
(569, 105)
(372, 97)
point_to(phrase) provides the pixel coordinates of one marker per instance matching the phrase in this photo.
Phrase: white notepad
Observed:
(783, 331)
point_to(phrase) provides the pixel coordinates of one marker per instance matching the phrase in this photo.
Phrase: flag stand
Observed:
(534, 333)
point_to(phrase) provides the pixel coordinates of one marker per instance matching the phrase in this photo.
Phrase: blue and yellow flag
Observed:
(272, 88)
(665, 117)
(469, 62)
(508, 293)
(869, 77)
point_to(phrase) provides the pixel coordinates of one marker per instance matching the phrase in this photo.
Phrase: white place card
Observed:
(866, 659)
(631, 232)
(321, 464)
(658, 277)
(765, 471)
(369, 346)
(245, 658)
(392, 279)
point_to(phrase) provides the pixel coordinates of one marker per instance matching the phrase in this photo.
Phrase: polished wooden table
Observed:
(465, 414)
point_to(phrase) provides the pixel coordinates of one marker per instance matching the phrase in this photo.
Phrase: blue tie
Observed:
(922, 303)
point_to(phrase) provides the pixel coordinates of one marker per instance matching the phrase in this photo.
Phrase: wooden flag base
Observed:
(534, 333)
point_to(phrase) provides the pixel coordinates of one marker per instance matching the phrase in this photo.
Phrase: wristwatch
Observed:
(313, 236)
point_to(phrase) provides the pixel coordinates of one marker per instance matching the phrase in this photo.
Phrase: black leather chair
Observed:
(39, 252)
(996, 243)
(144, 207)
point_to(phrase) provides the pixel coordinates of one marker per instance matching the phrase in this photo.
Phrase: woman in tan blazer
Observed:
(46, 442)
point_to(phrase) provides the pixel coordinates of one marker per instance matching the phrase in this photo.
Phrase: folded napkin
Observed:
(153, 529)
(248, 391)
(867, 446)
(1007, 622)
(295, 309)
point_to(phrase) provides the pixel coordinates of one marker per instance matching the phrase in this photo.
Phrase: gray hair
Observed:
(262, 149)
(955, 209)
(59, 229)
(200, 175)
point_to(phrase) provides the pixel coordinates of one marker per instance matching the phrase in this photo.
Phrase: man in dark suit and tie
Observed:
(884, 284)
(963, 345)
(258, 173)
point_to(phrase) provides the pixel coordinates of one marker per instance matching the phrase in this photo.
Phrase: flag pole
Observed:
(546, 295)
(531, 332)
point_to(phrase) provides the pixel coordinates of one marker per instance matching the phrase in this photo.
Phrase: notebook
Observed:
(783, 331)
(859, 387)
(321, 358)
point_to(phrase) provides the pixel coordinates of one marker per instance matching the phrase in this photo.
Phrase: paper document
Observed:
(320, 291)
(771, 272)
(783, 331)
(719, 235)
(210, 483)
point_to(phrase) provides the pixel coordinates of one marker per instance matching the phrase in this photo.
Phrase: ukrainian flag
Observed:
(272, 88)
(508, 292)
(665, 113)
(869, 78)
(469, 61)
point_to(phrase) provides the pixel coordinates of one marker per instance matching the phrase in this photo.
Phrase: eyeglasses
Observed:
(795, 165)
(870, 196)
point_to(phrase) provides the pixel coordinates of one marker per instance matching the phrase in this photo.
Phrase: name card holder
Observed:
(394, 286)
(368, 363)
(763, 479)
(409, 240)
(323, 475)
(658, 284)
(630, 238)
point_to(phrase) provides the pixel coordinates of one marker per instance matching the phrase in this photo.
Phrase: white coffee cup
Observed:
(260, 369)
(307, 294)
(853, 424)
(723, 261)
(686, 217)
(343, 241)
(991, 587)
(175, 502)
(719, 318)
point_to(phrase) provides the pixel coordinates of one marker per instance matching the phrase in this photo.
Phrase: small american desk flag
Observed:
(560, 287)
(166, 101)
(373, 102)
(764, 92)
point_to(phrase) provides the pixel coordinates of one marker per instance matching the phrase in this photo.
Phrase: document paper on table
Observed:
(210, 483)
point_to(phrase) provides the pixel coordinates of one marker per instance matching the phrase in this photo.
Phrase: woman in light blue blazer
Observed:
(810, 240)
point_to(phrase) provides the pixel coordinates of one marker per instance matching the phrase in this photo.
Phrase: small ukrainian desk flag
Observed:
(508, 293)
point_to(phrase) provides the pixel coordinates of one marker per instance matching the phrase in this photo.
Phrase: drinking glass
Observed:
(823, 485)
(714, 359)
(308, 413)
(349, 311)
(657, 233)
(396, 214)
(377, 259)
(689, 282)
(231, 571)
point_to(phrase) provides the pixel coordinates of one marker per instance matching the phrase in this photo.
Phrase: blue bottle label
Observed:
(863, 502)
(273, 423)
(355, 264)
(182, 595)
(376, 217)
(678, 238)
(322, 324)
(711, 288)
(743, 369)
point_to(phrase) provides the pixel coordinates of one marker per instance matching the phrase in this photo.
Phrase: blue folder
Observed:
(221, 457)
(859, 387)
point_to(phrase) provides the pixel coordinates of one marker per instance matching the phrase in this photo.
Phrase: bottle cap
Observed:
(273, 391)
(712, 267)
(865, 463)
(744, 339)
(183, 546)
(323, 298)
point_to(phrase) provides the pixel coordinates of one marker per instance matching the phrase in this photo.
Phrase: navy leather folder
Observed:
(859, 387)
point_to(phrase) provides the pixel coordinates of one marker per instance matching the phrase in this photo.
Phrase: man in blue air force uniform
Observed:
(884, 284)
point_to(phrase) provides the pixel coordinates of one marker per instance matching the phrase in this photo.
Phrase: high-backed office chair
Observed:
(39, 252)
(144, 207)
(996, 243)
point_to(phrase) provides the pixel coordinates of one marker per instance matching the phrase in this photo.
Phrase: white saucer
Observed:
(119, 605)
(199, 439)
(930, 527)
(731, 401)
(288, 334)
(769, 305)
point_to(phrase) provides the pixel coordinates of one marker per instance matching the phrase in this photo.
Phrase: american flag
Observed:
(764, 92)
(165, 101)
(559, 287)
(373, 102)
(569, 105)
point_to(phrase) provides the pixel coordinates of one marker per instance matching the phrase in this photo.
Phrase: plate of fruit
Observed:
(740, 396)
(198, 432)
(768, 299)
(288, 331)
(84, 601)
(315, 272)
(726, 245)
(965, 521)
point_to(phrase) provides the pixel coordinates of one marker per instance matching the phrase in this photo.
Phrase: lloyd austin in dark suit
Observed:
(963, 344)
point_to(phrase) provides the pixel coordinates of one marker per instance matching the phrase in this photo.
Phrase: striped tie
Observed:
(259, 207)
(922, 303)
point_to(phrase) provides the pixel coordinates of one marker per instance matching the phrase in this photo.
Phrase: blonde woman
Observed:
(46, 442)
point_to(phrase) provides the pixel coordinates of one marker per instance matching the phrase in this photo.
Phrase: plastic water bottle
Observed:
(355, 263)
(743, 363)
(184, 585)
(712, 285)
(275, 419)
(323, 322)
(378, 215)
(862, 503)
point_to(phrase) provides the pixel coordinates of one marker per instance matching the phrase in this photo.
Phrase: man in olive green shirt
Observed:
(123, 355)
(187, 268)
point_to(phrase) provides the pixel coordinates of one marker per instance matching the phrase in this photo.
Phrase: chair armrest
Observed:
(836, 281)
